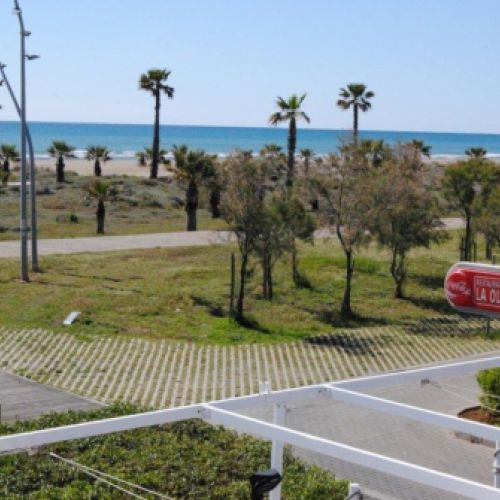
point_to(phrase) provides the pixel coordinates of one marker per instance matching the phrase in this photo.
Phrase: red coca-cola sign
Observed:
(474, 288)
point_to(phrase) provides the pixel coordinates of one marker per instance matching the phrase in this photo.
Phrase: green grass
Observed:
(182, 293)
(185, 460)
(140, 206)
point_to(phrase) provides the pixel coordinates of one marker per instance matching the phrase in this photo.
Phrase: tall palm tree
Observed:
(100, 191)
(355, 96)
(60, 150)
(8, 153)
(98, 154)
(154, 81)
(289, 111)
(191, 167)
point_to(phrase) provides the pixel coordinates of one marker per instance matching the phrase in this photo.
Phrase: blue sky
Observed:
(434, 65)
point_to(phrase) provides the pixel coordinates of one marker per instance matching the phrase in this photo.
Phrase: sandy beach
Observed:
(113, 167)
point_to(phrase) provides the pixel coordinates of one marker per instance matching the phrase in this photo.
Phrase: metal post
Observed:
(23, 207)
(34, 225)
(277, 449)
(496, 466)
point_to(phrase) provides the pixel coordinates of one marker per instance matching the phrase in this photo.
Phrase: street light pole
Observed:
(34, 231)
(23, 208)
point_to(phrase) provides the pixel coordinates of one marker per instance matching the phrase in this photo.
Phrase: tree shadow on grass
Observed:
(429, 281)
(358, 345)
(445, 326)
(331, 317)
(252, 324)
(436, 304)
(213, 308)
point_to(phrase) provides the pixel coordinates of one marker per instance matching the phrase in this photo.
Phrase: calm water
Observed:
(124, 140)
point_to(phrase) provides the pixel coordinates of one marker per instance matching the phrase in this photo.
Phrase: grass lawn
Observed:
(185, 460)
(139, 206)
(182, 293)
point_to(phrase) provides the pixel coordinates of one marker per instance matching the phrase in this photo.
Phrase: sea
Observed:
(124, 140)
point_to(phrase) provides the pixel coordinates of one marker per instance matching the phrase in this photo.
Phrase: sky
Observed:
(433, 64)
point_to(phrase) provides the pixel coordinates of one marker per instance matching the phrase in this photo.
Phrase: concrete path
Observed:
(22, 399)
(112, 243)
(10, 249)
(398, 438)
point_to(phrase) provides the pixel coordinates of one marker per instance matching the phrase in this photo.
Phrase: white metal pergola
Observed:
(224, 412)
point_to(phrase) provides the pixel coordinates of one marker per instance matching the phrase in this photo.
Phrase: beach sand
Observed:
(113, 167)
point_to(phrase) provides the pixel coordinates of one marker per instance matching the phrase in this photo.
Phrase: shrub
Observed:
(489, 381)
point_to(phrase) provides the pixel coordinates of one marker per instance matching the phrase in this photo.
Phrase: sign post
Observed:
(474, 289)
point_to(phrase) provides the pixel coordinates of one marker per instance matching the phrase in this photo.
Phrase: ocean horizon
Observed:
(125, 139)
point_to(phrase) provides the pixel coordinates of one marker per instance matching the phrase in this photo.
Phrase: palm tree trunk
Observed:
(97, 168)
(60, 168)
(192, 205)
(156, 138)
(6, 166)
(215, 196)
(100, 216)
(346, 302)
(292, 143)
(355, 128)
(241, 294)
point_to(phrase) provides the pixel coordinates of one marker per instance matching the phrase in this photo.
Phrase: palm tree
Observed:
(148, 155)
(60, 150)
(99, 190)
(355, 96)
(8, 153)
(289, 111)
(306, 155)
(98, 154)
(141, 158)
(153, 81)
(421, 147)
(191, 167)
(476, 153)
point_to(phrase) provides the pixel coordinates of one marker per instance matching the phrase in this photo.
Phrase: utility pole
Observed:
(34, 225)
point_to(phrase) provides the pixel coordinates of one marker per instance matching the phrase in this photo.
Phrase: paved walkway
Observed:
(22, 399)
(395, 437)
(10, 249)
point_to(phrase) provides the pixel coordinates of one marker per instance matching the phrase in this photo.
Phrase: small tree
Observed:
(8, 154)
(61, 150)
(402, 213)
(242, 208)
(191, 168)
(488, 220)
(98, 154)
(341, 188)
(99, 191)
(489, 381)
(463, 183)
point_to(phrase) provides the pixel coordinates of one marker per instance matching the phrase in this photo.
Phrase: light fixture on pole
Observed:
(23, 209)
(34, 224)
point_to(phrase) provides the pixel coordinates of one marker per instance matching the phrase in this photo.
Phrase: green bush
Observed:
(187, 459)
(489, 381)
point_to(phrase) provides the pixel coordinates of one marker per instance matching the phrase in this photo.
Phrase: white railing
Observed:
(224, 413)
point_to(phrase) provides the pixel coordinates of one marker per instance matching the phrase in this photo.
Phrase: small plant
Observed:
(99, 191)
(489, 381)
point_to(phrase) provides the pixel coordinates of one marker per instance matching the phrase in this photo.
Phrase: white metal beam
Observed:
(96, 428)
(415, 375)
(381, 463)
(477, 429)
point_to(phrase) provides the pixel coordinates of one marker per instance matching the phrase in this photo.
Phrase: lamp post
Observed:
(23, 209)
(34, 225)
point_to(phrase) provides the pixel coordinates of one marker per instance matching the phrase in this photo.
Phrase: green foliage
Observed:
(187, 459)
(489, 381)
(61, 149)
